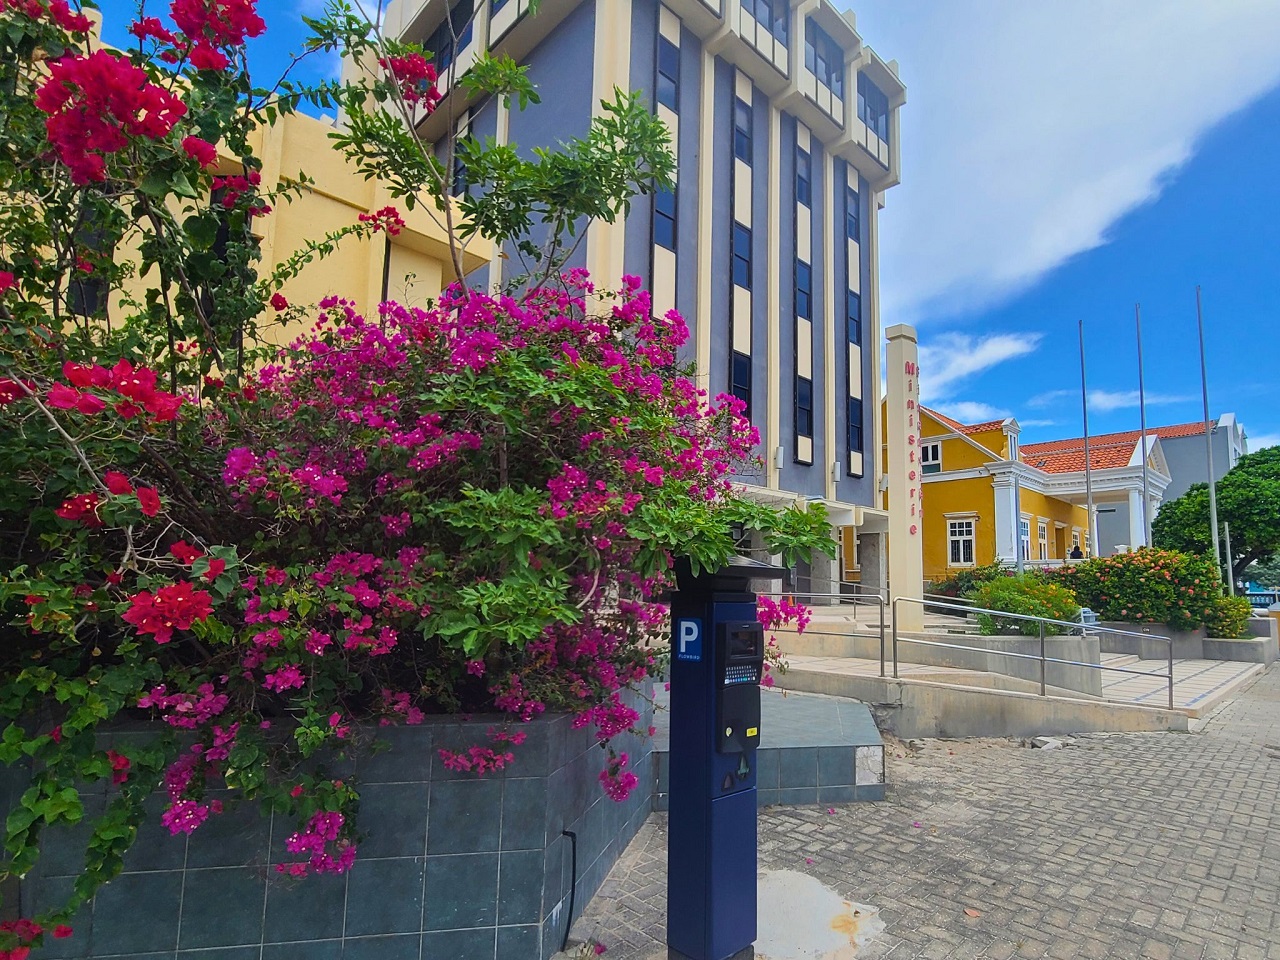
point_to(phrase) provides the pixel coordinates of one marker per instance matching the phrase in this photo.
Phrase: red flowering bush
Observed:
(1147, 586)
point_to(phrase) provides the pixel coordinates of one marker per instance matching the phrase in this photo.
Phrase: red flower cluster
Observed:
(416, 78)
(59, 12)
(7, 281)
(279, 301)
(201, 151)
(217, 23)
(22, 929)
(173, 607)
(151, 27)
(120, 765)
(388, 219)
(234, 187)
(81, 508)
(95, 104)
(11, 390)
(135, 385)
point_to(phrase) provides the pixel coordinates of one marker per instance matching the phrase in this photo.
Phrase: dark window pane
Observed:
(804, 407)
(804, 290)
(742, 130)
(664, 219)
(804, 168)
(873, 107)
(741, 374)
(741, 256)
(668, 73)
(853, 216)
(855, 425)
(853, 317)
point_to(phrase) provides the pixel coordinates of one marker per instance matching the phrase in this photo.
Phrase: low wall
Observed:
(451, 868)
(1187, 644)
(1250, 650)
(1081, 649)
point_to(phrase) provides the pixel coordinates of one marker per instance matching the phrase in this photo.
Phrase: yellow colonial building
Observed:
(980, 502)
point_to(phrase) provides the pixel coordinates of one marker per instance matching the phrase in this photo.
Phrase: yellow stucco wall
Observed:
(1036, 506)
(958, 496)
(419, 255)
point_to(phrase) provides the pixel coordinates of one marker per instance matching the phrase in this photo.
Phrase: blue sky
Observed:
(1061, 160)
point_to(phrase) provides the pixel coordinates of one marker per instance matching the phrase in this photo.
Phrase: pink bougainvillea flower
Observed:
(7, 281)
(222, 23)
(95, 104)
(62, 397)
(62, 931)
(201, 151)
(278, 302)
(216, 566)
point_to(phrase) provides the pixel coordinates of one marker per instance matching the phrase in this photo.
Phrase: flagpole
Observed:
(1142, 408)
(1088, 467)
(1208, 447)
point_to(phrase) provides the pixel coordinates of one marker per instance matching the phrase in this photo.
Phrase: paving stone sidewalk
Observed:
(1159, 845)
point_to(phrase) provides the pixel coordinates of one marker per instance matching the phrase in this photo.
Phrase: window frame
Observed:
(1042, 538)
(926, 462)
(803, 410)
(1024, 537)
(853, 414)
(824, 58)
(853, 215)
(962, 532)
(804, 177)
(740, 387)
(874, 114)
(804, 290)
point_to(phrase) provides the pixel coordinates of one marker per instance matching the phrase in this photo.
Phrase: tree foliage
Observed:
(1248, 501)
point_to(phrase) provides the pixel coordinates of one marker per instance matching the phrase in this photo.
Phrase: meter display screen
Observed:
(743, 644)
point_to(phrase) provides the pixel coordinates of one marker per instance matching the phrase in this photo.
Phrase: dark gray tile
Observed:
(798, 796)
(767, 762)
(237, 837)
(460, 945)
(519, 943)
(533, 756)
(766, 798)
(462, 891)
(115, 922)
(222, 907)
(837, 794)
(394, 818)
(155, 848)
(383, 897)
(835, 766)
(798, 767)
(40, 894)
(222, 953)
(62, 847)
(304, 908)
(520, 887)
(555, 870)
(305, 950)
(406, 758)
(465, 816)
(382, 948)
(524, 814)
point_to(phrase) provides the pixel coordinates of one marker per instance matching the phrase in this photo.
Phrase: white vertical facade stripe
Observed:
(853, 282)
(606, 242)
(743, 180)
(802, 326)
(706, 187)
(664, 261)
(828, 321)
(773, 423)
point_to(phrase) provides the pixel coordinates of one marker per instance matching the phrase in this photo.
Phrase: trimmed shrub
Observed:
(1029, 595)
(965, 582)
(1228, 618)
(1147, 586)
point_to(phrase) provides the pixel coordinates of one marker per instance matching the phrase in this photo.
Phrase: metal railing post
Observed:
(1170, 642)
(880, 604)
(893, 620)
(1043, 691)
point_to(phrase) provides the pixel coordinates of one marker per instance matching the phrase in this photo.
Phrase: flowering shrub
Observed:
(1147, 586)
(1029, 595)
(467, 506)
(1228, 618)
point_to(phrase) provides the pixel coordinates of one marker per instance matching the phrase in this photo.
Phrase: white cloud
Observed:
(1104, 401)
(1030, 128)
(1262, 440)
(950, 358)
(1037, 423)
(972, 411)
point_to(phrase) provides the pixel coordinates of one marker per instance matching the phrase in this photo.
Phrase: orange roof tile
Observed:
(1067, 456)
(965, 428)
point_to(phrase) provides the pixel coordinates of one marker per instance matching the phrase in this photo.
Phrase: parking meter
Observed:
(717, 662)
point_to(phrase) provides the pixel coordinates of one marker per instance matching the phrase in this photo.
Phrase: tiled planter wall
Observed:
(452, 867)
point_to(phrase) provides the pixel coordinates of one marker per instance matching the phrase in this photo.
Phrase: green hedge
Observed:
(1030, 595)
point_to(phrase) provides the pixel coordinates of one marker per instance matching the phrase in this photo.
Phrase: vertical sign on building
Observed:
(902, 437)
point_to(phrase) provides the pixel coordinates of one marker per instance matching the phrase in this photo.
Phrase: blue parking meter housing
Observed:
(717, 662)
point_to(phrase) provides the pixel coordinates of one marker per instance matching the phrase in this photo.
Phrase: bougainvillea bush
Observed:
(264, 555)
(1147, 586)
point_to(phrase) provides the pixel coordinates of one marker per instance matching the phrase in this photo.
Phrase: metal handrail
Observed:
(881, 602)
(1041, 621)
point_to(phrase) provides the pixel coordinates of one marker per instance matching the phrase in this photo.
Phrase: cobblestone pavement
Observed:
(1160, 845)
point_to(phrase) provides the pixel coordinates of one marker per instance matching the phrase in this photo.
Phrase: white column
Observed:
(1006, 522)
(906, 560)
(1137, 528)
